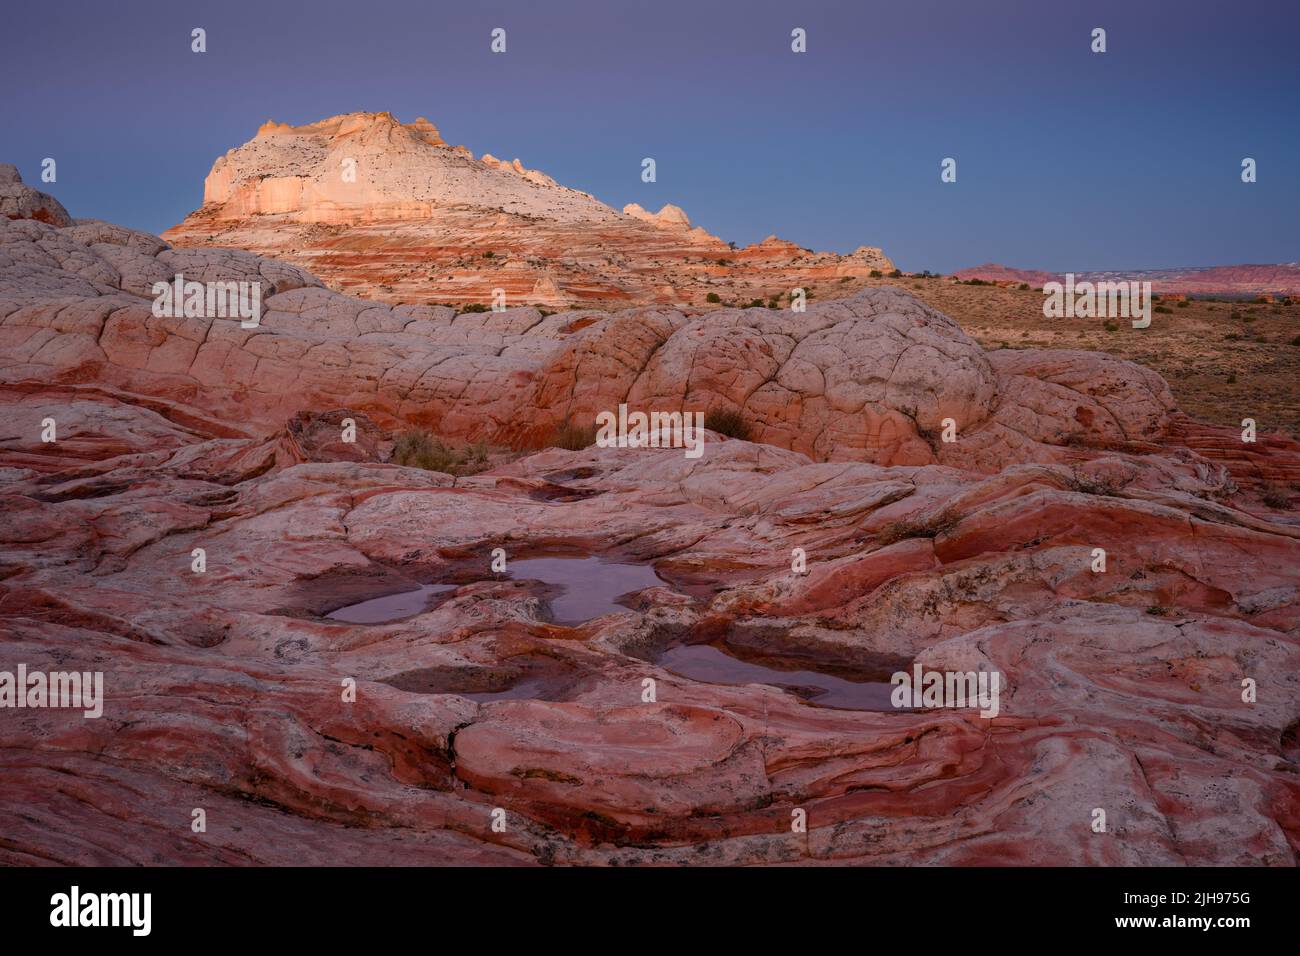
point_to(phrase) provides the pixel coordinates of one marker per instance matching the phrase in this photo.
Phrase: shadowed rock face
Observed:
(393, 213)
(1123, 689)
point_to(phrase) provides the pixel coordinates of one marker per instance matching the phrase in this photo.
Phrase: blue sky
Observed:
(1066, 160)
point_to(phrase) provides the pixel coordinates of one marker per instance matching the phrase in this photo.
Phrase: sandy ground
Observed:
(1222, 369)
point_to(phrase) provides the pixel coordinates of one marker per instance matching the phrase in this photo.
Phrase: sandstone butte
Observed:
(417, 220)
(1123, 688)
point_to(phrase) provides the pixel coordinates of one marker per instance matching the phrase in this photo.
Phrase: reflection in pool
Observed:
(583, 588)
(589, 587)
(390, 607)
(704, 662)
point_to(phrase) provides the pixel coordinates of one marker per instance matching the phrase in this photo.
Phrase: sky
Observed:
(1066, 159)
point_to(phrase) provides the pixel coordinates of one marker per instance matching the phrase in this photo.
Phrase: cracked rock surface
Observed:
(225, 690)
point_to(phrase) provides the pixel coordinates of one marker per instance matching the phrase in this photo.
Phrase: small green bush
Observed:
(713, 297)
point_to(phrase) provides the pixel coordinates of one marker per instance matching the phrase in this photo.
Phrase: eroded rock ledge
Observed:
(223, 688)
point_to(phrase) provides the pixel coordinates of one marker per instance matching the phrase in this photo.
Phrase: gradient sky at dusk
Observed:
(1066, 160)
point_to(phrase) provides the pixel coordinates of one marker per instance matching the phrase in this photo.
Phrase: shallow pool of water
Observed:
(704, 662)
(589, 587)
(581, 589)
(390, 607)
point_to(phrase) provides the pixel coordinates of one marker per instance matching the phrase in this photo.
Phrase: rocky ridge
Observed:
(224, 688)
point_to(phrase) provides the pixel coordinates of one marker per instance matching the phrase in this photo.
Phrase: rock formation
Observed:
(20, 201)
(226, 689)
(393, 213)
(1243, 280)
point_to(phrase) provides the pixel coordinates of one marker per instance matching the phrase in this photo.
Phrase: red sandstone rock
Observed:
(224, 689)
(416, 220)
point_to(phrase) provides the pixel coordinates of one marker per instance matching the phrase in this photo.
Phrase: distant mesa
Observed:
(1242, 280)
(391, 211)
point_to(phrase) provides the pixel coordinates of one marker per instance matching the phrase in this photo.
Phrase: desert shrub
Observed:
(1094, 484)
(1232, 378)
(713, 297)
(1234, 314)
(756, 304)
(1275, 496)
(927, 527)
(876, 274)
(896, 274)
(572, 437)
(1249, 317)
(1296, 340)
(474, 307)
(1184, 304)
(1159, 610)
(1024, 286)
(1110, 326)
(419, 449)
(489, 254)
(729, 422)
(1163, 309)
(844, 279)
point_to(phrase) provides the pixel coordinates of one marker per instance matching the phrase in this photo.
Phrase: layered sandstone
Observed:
(393, 213)
(224, 689)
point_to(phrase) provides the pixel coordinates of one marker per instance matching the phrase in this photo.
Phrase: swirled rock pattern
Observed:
(476, 728)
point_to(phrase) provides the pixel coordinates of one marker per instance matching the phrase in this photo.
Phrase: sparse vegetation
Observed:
(877, 274)
(1094, 484)
(1275, 496)
(713, 297)
(421, 449)
(729, 422)
(927, 527)
(1110, 326)
(474, 307)
(572, 437)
